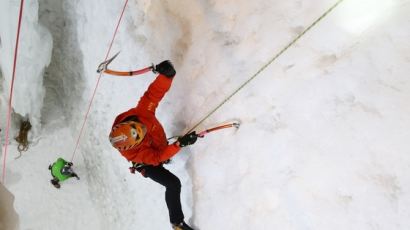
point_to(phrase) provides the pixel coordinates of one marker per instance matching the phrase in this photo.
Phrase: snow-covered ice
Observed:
(324, 137)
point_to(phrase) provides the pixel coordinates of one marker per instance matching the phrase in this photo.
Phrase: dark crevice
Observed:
(62, 78)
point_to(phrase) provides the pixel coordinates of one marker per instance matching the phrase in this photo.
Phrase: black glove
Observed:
(188, 139)
(165, 68)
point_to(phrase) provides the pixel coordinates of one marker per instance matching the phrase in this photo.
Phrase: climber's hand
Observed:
(188, 139)
(165, 68)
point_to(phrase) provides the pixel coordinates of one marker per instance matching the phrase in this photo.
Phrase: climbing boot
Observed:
(181, 226)
(55, 183)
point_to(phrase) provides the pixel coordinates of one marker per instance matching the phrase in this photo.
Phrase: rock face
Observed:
(8, 216)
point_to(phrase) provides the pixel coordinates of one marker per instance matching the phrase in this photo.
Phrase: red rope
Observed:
(98, 82)
(11, 92)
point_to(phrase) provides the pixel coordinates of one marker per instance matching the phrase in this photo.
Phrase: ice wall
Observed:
(149, 33)
(323, 143)
(33, 56)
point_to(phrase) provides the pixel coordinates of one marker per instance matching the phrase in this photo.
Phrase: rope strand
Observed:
(267, 64)
(98, 82)
(11, 91)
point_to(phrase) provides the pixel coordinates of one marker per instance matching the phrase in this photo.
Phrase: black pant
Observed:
(173, 190)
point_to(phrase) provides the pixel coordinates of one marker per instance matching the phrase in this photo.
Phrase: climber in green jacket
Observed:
(61, 170)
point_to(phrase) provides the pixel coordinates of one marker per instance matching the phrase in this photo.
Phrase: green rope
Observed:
(267, 64)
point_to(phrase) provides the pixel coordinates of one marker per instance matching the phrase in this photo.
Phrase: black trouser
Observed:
(173, 190)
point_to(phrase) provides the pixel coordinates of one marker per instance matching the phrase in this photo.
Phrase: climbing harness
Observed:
(267, 64)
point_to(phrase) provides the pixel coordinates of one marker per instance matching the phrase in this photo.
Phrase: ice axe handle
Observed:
(203, 133)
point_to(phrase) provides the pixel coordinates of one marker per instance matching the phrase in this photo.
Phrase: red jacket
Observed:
(154, 149)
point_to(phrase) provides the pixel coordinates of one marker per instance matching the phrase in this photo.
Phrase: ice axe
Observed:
(104, 64)
(230, 125)
(103, 67)
(202, 134)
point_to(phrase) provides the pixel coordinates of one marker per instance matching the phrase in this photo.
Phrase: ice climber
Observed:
(60, 171)
(140, 138)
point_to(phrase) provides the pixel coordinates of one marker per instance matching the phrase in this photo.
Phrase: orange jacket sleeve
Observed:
(154, 94)
(154, 157)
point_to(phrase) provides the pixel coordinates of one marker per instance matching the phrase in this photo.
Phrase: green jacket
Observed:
(56, 170)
